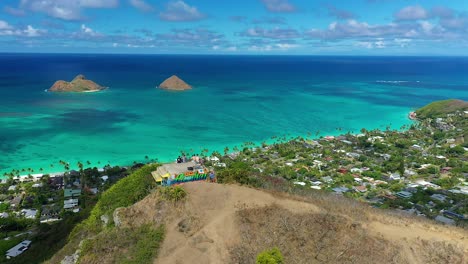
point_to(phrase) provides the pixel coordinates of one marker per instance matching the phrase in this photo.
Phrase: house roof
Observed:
(18, 249)
(72, 192)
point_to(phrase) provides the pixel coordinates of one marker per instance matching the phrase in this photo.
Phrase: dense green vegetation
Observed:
(272, 256)
(441, 108)
(173, 193)
(123, 245)
(54, 236)
(428, 160)
(124, 193)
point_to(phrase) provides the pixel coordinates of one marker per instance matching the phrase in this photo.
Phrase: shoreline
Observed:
(270, 141)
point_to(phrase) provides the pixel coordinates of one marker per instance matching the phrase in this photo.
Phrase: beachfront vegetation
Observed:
(421, 169)
(441, 108)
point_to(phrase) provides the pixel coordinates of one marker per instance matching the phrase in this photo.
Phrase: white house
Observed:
(395, 176)
(18, 249)
(29, 213)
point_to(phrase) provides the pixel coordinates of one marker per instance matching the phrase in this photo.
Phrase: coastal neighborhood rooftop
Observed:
(18, 249)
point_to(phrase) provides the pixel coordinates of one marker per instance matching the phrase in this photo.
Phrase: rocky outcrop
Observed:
(78, 85)
(175, 83)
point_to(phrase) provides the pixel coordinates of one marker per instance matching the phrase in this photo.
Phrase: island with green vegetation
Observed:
(78, 85)
(367, 196)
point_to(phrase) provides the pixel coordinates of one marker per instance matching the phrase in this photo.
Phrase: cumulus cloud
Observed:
(65, 9)
(141, 5)
(276, 33)
(416, 12)
(198, 37)
(180, 11)
(356, 29)
(29, 31)
(279, 6)
(442, 12)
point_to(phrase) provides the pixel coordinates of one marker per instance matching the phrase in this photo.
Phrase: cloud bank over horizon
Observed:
(398, 27)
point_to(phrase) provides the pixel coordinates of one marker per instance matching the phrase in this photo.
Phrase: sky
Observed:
(285, 27)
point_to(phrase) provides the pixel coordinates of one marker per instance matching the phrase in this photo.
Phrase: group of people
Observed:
(195, 158)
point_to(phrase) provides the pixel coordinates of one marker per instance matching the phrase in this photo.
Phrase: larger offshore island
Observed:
(420, 170)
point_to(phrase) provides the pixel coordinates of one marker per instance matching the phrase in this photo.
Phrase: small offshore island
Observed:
(78, 85)
(175, 83)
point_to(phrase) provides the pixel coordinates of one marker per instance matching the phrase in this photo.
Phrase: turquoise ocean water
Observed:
(235, 99)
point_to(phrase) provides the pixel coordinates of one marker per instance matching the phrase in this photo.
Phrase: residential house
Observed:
(29, 213)
(18, 249)
(70, 203)
(340, 190)
(404, 194)
(16, 202)
(395, 176)
(361, 189)
(71, 193)
(439, 197)
(327, 179)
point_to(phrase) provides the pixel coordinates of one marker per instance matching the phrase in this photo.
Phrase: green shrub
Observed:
(123, 245)
(125, 192)
(272, 256)
(173, 193)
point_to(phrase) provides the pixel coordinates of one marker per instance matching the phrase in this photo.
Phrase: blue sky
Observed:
(357, 27)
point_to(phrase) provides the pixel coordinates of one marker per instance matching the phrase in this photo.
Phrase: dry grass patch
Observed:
(309, 238)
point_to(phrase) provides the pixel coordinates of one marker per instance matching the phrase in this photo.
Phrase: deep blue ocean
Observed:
(235, 99)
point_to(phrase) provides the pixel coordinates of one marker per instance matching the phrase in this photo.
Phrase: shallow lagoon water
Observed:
(235, 99)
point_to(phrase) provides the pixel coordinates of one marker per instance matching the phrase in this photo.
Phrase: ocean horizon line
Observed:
(244, 54)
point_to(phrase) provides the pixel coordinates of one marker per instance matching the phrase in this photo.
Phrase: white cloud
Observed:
(286, 46)
(4, 25)
(416, 12)
(402, 42)
(89, 31)
(32, 32)
(141, 5)
(260, 48)
(65, 9)
(426, 26)
(275, 33)
(7, 30)
(180, 11)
